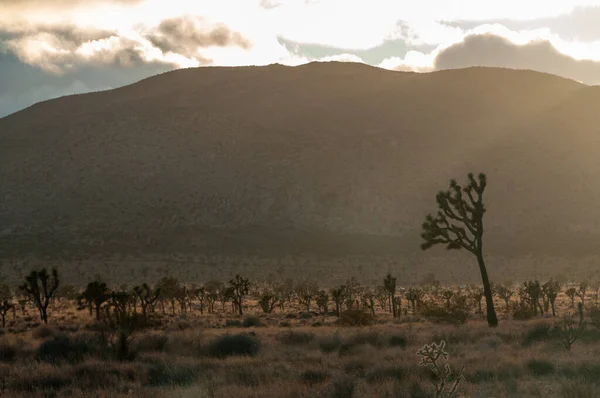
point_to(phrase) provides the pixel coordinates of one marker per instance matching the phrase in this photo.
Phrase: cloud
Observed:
(580, 24)
(495, 50)
(185, 35)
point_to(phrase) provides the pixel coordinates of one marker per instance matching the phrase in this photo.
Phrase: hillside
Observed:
(324, 157)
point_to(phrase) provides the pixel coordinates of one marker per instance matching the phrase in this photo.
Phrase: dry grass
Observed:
(299, 361)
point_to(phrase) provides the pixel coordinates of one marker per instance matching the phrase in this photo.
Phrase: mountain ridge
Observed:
(332, 150)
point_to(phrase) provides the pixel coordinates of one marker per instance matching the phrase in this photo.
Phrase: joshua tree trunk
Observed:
(492, 319)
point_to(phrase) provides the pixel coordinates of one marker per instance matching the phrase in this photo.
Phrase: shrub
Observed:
(163, 374)
(456, 314)
(306, 315)
(295, 338)
(398, 340)
(314, 376)
(8, 353)
(330, 344)
(151, 343)
(62, 348)
(522, 312)
(234, 345)
(43, 332)
(233, 323)
(344, 388)
(372, 338)
(355, 318)
(538, 333)
(539, 367)
(386, 373)
(285, 324)
(250, 321)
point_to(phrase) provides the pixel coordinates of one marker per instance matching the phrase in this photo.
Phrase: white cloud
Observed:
(350, 25)
(494, 45)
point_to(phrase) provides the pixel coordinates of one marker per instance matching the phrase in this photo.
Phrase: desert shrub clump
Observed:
(355, 318)
(539, 333)
(540, 367)
(295, 338)
(63, 348)
(251, 321)
(234, 345)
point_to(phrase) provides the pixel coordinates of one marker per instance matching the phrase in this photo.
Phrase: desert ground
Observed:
(300, 349)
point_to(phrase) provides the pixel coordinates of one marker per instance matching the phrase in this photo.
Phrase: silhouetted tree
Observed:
(322, 301)
(337, 294)
(147, 297)
(6, 302)
(40, 288)
(389, 284)
(583, 286)
(571, 293)
(306, 292)
(550, 290)
(459, 225)
(238, 288)
(95, 294)
(505, 293)
(533, 291)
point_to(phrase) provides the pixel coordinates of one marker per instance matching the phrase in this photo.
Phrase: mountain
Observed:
(324, 157)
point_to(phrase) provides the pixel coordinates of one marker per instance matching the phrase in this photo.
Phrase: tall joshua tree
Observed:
(39, 287)
(459, 225)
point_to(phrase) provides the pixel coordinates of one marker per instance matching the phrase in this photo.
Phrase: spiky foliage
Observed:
(583, 287)
(322, 301)
(569, 329)
(389, 284)
(432, 358)
(94, 296)
(147, 297)
(459, 225)
(533, 291)
(306, 292)
(236, 291)
(550, 292)
(505, 293)
(571, 293)
(40, 287)
(338, 294)
(6, 302)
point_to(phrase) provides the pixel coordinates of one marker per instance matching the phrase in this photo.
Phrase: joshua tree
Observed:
(147, 297)
(389, 284)
(96, 294)
(268, 302)
(306, 292)
(583, 286)
(337, 294)
(505, 293)
(550, 291)
(238, 288)
(40, 287)
(169, 289)
(533, 291)
(459, 225)
(6, 303)
(200, 293)
(322, 302)
(571, 293)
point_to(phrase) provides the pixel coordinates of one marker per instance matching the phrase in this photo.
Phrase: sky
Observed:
(51, 48)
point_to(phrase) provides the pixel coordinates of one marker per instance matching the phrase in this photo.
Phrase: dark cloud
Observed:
(582, 24)
(185, 35)
(492, 50)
